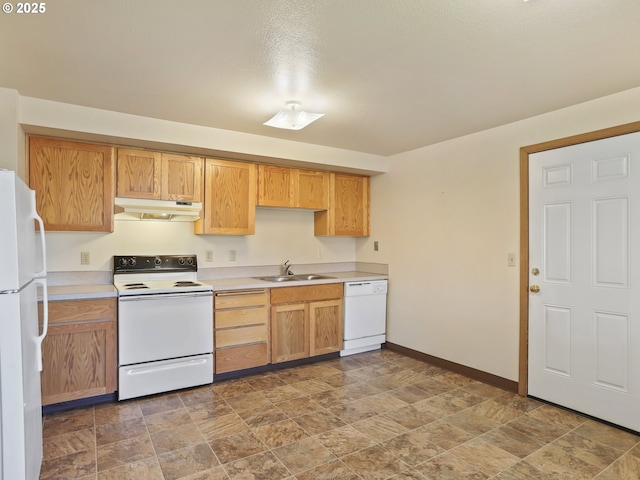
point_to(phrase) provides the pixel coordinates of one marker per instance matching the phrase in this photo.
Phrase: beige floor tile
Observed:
(160, 404)
(147, 469)
(485, 456)
(512, 441)
(334, 470)
(281, 433)
(344, 440)
(263, 466)
(168, 419)
(444, 434)
(379, 428)
(117, 412)
(187, 461)
(74, 465)
(303, 455)
(235, 447)
(555, 460)
(66, 422)
(113, 432)
(176, 438)
(222, 426)
(124, 451)
(318, 422)
(68, 443)
(374, 463)
(412, 448)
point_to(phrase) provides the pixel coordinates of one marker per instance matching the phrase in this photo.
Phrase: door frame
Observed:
(523, 367)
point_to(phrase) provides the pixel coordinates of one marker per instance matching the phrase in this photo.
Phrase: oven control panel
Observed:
(154, 263)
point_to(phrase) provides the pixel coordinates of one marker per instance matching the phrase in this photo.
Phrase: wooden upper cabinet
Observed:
(291, 187)
(275, 186)
(139, 173)
(155, 175)
(182, 177)
(73, 183)
(229, 198)
(348, 212)
(312, 189)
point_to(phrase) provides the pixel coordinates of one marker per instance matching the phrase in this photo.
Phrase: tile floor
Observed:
(371, 416)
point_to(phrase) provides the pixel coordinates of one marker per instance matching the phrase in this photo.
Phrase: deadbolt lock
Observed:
(535, 272)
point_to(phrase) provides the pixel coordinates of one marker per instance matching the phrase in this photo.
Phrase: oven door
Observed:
(164, 326)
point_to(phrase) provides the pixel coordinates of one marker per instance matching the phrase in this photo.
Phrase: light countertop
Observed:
(84, 292)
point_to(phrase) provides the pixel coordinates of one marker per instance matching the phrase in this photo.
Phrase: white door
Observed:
(584, 239)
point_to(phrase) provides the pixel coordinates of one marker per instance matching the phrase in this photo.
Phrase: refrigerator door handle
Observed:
(45, 321)
(37, 218)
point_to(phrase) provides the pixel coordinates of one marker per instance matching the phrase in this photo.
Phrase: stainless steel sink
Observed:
(294, 278)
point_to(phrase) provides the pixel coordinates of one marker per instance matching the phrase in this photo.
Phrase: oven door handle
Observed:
(159, 296)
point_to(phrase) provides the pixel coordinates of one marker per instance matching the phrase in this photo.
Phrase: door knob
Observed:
(534, 288)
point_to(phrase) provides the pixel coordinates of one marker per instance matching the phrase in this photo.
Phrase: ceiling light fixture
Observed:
(292, 117)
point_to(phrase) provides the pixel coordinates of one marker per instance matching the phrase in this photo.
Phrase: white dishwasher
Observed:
(365, 316)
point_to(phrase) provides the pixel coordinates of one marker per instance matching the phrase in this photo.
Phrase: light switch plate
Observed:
(511, 259)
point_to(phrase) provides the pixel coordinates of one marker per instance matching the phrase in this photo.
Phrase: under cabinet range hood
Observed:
(166, 210)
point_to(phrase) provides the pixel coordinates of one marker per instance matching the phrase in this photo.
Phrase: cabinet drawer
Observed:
(240, 317)
(239, 358)
(241, 336)
(247, 298)
(72, 311)
(307, 293)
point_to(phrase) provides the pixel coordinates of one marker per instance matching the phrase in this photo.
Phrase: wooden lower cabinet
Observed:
(79, 351)
(241, 330)
(306, 321)
(325, 327)
(289, 332)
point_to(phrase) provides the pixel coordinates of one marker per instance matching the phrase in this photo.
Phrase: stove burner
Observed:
(186, 283)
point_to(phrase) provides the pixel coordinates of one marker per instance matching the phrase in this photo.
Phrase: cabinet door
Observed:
(139, 173)
(289, 332)
(79, 351)
(229, 198)
(73, 183)
(79, 361)
(348, 212)
(325, 321)
(182, 177)
(312, 189)
(275, 188)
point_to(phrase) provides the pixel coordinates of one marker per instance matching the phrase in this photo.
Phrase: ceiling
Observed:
(390, 75)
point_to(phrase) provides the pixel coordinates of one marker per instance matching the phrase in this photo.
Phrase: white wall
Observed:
(12, 139)
(280, 235)
(446, 216)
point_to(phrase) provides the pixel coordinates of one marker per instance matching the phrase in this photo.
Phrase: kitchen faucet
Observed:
(286, 268)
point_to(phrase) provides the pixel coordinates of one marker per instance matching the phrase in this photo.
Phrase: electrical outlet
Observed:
(208, 256)
(511, 259)
(85, 258)
(375, 246)
(232, 255)
(320, 254)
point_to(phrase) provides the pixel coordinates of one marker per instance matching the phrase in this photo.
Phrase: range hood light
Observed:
(165, 210)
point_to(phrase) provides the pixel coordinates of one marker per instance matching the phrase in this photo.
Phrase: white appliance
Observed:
(20, 340)
(365, 316)
(165, 324)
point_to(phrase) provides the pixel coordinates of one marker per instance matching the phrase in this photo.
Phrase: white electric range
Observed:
(165, 324)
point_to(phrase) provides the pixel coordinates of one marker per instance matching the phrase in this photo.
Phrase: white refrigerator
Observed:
(22, 270)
